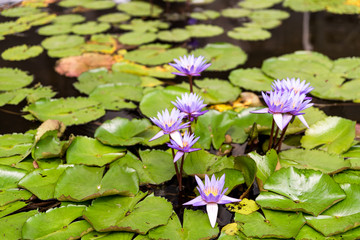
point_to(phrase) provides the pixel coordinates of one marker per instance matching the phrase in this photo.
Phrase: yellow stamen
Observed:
(212, 190)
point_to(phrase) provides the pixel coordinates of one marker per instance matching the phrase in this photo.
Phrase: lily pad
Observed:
(10, 226)
(62, 42)
(249, 33)
(19, 11)
(91, 152)
(114, 18)
(16, 144)
(348, 176)
(140, 9)
(117, 92)
(90, 27)
(300, 190)
(137, 38)
(235, 12)
(203, 30)
(92, 183)
(12, 195)
(108, 236)
(70, 111)
(55, 29)
(306, 5)
(223, 56)
(137, 69)
(196, 226)
(325, 162)
(21, 52)
(265, 164)
(205, 15)
(347, 67)
(128, 214)
(99, 5)
(269, 14)
(251, 78)
(69, 19)
(258, 4)
(334, 134)
(174, 35)
(12, 78)
(139, 25)
(121, 131)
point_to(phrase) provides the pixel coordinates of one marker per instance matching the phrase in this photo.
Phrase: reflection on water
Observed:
(333, 35)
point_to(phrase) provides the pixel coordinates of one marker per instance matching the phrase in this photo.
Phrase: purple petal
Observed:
(286, 119)
(264, 110)
(176, 136)
(178, 155)
(278, 120)
(200, 183)
(198, 201)
(225, 200)
(159, 134)
(212, 211)
(302, 119)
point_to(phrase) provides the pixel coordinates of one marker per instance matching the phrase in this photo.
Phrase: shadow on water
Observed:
(333, 35)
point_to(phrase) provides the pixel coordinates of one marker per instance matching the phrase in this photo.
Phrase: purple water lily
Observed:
(211, 194)
(190, 65)
(298, 103)
(292, 84)
(170, 124)
(191, 105)
(184, 145)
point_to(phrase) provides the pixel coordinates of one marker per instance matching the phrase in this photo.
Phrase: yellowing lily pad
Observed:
(246, 206)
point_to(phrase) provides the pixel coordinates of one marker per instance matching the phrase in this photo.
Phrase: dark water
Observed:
(333, 35)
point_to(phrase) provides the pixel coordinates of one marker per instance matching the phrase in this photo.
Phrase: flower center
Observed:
(168, 123)
(212, 190)
(185, 143)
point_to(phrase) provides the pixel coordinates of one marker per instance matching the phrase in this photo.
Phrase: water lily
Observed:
(170, 123)
(211, 194)
(292, 84)
(183, 146)
(298, 103)
(190, 65)
(191, 105)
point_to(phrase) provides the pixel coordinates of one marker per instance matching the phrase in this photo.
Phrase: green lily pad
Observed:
(91, 152)
(65, 52)
(11, 207)
(248, 167)
(149, 133)
(37, 19)
(55, 29)
(121, 131)
(70, 111)
(263, 23)
(154, 54)
(205, 15)
(137, 38)
(49, 146)
(196, 226)
(249, 33)
(305, 5)
(56, 223)
(91, 184)
(251, 78)
(99, 5)
(155, 166)
(349, 176)
(343, 7)
(90, 27)
(114, 18)
(10, 177)
(137, 69)
(62, 42)
(42, 182)
(235, 12)
(21, 52)
(139, 25)
(347, 67)
(255, 225)
(223, 56)
(325, 162)
(334, 134)
(12, 195)
(12, 78)
(128, 214)
(269, 14)
(69, 19)
(10, 226)
(140, 9)
(203, 30)
(7, 28)
(16, 144)
(108, 236)
(304, 190)
(265, 164)
(19, 11)
(258, 4)
(174, 35)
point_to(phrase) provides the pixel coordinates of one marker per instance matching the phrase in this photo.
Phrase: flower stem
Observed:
(271, 134)
(189, 128)
(278, 144)
(176, 168)
(181, 172)
(191, 84)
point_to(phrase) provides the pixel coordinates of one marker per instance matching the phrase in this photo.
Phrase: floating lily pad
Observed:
(12, 195)
(137, 69)
(343, 7)
(92, 183)
(49, 146)
(348, 176)
(19, 11)
(10, 226)
(347, 67)
(249, 33)
(196, 226)
(114, 18)
(12, 78)
(174, 35)
(16, 144)
(7, 28)
(90, 27)
(251, 78)
(70, 3)
(69, 19)
(65, 52)
(57, 223)
(154, 54)
(265, 164)
(235, 12)
(121, 131)
(21, 52)
(108, 235)
(306, 5)
(62, 42)
(258, 4)
(139, 25)
(127, 213)
(205, 15)
(203, 30)
(137, 38)
(306, 190)
(325, 162)
(10, 177)
(70, 111)
(55, 29)
(140, 9)
(263, 23)
(99, 5)
(334, 134)
(223, 56)
(269, 14)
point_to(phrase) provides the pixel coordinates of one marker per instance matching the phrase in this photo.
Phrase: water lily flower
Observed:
(211, 194)
(292, 84)
(190, 65)
(184, 145)
(278, 104)
(170, 124)
(299, 102)
(191, 105)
